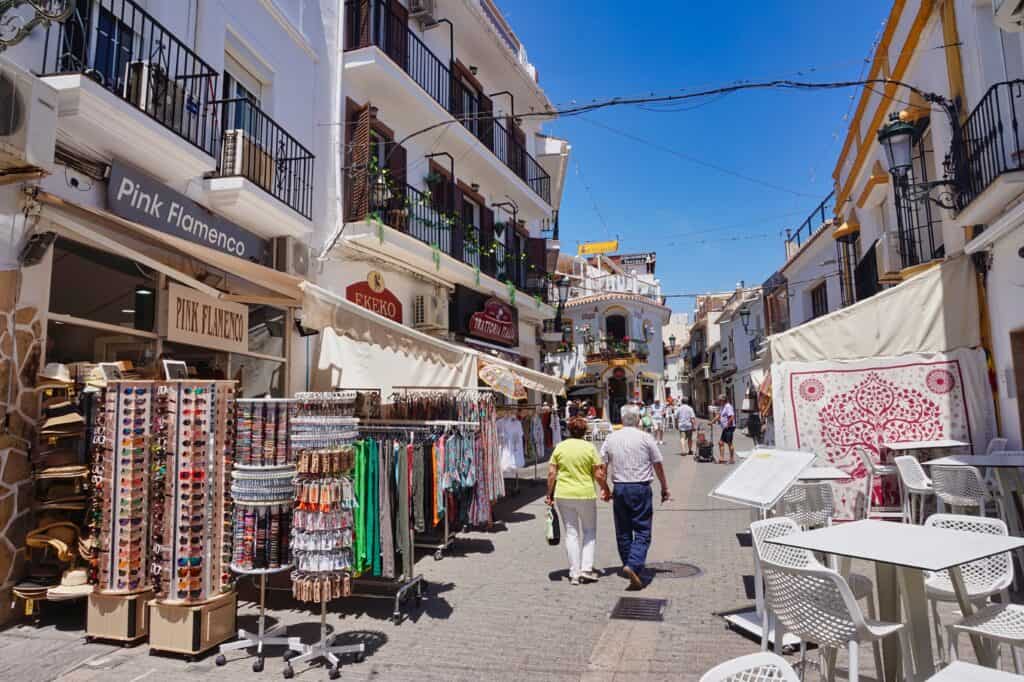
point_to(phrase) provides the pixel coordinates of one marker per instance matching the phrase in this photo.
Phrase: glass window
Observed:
(266, 330)
(241, 84)
(819, 300)
(68, 343)
(120, 292)
(257, 377)
(114, 42)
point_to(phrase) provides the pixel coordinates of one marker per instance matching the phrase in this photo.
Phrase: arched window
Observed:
(615, 327)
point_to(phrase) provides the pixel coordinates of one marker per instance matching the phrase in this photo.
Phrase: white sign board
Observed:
(763, 478)
(196, 319)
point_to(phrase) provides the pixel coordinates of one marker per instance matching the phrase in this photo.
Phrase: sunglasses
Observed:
(133, 521)
(190, 561)
(136, 391)
(138, 432)
(194, 474)
(193, 571)
(197, 391)
(130, 584)
(132, 461)
(130, 442)
(195, 497)
(194, 443)
(185, 540)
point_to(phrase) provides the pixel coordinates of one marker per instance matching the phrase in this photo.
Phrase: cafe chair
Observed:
(913, 482)
(1001, 623)
(983, 579)
(959, 671)
(761, 667)
(817, 605)
(875, 471)
(962, 487)
(811, 505)
(794, 557)
(996, 445)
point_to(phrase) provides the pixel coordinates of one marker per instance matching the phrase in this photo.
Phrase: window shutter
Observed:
(361, 25)
(397, 23)
(486, 237)
(518, 150)
(358, 174)
(486, 122)
(537, 251)
(458, 232)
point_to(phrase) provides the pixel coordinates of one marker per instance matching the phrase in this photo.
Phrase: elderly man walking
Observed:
(633, 459)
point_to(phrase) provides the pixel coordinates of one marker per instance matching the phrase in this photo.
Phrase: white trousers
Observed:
(579, 518)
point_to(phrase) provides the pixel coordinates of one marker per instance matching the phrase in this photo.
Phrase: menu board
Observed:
(763, 478)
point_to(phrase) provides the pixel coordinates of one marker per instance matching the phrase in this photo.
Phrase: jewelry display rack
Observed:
(323, 424)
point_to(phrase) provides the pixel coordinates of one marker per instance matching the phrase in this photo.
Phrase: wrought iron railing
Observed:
(992, 138)
(125, 50)
(372, 22)
(616, 348)
(255, 147)
(813, 222)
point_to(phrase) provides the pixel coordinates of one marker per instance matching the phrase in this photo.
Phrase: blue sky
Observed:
(711, 228)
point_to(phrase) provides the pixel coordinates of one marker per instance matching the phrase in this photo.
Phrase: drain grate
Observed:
(636, 608)
(674, 569)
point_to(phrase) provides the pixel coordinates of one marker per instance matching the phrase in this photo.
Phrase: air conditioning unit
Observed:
(148, 87)
(241, 155)
(889, 259)
(430, 313)
(423, 12)
(291, 256)
(1009, 14)
(28, 120)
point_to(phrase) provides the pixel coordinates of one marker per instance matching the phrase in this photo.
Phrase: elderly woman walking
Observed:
(574, 469)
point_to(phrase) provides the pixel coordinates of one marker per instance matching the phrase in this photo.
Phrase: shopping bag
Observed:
(553, 531)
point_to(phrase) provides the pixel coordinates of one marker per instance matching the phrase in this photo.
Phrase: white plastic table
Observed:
(901, 553)
(941, 444)
(823, 474)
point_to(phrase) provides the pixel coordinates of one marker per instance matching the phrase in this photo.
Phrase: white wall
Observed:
(1005, 288)
(814, 265)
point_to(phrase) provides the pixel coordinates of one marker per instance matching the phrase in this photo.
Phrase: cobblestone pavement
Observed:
(500, 607)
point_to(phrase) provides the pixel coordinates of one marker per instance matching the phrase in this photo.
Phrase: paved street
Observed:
(500, 608)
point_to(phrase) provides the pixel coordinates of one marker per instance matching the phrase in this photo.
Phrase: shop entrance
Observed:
(1017, 353)
(618, 394)
(647, 394)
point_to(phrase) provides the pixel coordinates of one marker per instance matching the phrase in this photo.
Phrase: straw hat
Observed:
(73, 584)
(54, 373)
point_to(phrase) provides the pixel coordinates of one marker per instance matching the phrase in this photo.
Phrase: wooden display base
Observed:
(192, 629)
(118, 617)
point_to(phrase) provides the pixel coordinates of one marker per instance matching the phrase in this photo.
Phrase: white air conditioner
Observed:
(423, 12)
(241, 155)
(1009, 14)
(291, 256)
(889, 260)
(430, 313)
(28, 120)
(148, 87)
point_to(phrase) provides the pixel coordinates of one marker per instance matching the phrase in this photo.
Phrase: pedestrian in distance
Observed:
(633, 460)
(685, 419)
(726, 418)
(574, 469)
(658, 419)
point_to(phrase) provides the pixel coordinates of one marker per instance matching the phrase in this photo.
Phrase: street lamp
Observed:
(745, 318)
(672, 342)
(562, 287)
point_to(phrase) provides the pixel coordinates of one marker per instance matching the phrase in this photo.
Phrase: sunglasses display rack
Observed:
(261, 495)
(322, 431)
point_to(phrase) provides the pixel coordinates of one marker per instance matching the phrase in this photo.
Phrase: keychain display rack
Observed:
(322, 431)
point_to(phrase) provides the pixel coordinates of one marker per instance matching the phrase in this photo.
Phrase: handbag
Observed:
(552, 529)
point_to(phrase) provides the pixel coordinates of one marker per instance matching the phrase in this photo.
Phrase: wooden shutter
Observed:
(458, 231)
(360, 31)
(536, 257)
(486, 237)
(518, 149)
(358, 175)
(397, 24)
(486, 122)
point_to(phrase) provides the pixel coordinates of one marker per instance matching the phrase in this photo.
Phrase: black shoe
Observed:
(635, 583)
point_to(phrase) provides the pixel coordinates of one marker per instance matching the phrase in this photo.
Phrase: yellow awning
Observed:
(848, 228)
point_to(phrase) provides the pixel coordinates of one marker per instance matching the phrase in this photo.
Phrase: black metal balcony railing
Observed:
(814, 221)
(372, 22)
(614, 348)
(255, 147)
(126, 51)
(992, 138)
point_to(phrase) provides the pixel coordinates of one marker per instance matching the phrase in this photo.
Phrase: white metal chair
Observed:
(983, 578)
(817, 605)
(913, 482)
(760, 667)
(811, 505)
(876, 471)
(1001, 623)
(793, 557)
(958, 671)
(962, 487)
(996, 445)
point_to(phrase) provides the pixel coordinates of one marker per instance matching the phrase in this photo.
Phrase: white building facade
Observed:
(742, 338)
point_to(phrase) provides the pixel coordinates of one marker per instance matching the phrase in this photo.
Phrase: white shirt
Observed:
(727, 416)
(631, 455)
(685, 415)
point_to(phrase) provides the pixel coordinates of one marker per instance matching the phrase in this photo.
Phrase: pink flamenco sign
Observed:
(838, 409)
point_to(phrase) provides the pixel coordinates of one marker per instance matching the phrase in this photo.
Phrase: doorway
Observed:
(618, 394)
(1017, 355)
(615, 327)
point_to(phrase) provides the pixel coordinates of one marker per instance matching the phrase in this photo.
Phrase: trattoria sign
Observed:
(496, 322)
(374, 296)
(196, 319)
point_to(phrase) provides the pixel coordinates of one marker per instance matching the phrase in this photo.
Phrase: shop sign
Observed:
(618, 373)
(133, 195)
(375, 297)
(196, 319)
(588, 380)
(638, 258)
(476, 315)
(594, 248)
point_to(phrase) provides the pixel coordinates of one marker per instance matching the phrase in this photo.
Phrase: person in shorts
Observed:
(657, 413)
(685, 419)
(726, 418)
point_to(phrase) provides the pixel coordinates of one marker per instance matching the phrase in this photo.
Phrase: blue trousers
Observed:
(633, 507)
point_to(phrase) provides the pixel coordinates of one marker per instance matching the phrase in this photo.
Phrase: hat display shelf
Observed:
(261, 496)
(193, 454)
(322, 433)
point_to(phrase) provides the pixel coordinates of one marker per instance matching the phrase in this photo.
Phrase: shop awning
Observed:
(502, 380)
(86, 222)
(581, 391)
(531, 378)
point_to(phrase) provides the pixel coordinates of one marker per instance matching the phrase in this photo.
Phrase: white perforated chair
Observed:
(996, 445)
(983, 579)
(795, 557)
(811, 505)
(761, 667)
(913, 483)
(876, 471)
(817, 605)
(962, 487)
(1000, 623)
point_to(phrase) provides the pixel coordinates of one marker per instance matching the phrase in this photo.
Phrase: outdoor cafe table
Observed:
(822, 474)
(925, 445)
(901, 553)
(1008, 475)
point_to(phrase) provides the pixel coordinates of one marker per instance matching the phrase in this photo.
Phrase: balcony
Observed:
(612, 349)
(371, 23)
(993, 154)
(134, 91)
(264, 176)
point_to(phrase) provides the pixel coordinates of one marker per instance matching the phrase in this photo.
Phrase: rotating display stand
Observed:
(263, 636)
(324, 648)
